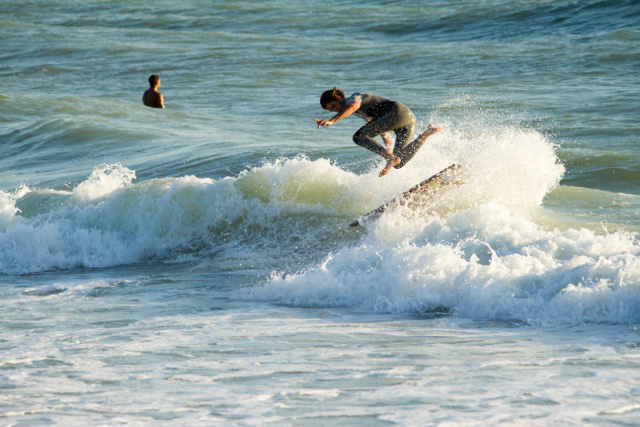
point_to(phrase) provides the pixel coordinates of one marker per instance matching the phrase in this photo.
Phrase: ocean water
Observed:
(195, 265)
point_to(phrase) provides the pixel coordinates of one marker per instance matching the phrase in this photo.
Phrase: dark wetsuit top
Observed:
(382, 115)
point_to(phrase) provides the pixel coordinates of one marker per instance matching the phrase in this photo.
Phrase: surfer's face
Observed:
(335, 106)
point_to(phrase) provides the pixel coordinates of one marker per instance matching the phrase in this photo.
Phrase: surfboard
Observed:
(447, 176)
(412, 148)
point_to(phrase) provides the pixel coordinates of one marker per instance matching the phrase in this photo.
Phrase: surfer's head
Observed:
(332, 100)
(154, 80)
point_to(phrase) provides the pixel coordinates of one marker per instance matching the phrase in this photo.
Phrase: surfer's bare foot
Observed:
(431, 129)
(391, 162)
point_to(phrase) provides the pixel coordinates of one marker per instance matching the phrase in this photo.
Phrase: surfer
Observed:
(382, 116)
(153, 98)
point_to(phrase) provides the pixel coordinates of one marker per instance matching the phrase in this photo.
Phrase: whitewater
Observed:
(484, 249)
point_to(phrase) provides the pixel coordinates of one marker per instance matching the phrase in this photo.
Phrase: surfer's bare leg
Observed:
(431, 129)
(392, 160)
(422, 138)
(388, 142)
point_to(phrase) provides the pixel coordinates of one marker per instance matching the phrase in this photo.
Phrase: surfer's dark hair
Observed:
(330, 95)
(153, 80)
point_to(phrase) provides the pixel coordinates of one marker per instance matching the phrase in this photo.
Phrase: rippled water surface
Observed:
(195, 265)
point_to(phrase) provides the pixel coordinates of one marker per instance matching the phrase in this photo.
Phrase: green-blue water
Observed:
(195, 265)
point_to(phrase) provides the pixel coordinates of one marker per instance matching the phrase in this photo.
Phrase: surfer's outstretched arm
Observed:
(343, 111)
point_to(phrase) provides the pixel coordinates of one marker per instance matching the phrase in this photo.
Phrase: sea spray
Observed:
(483, 263)
(8, 209)
(104, 180)
(109, 220)
(475, 250)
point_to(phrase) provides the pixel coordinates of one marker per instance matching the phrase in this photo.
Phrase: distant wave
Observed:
(108, 220)
(490, 22)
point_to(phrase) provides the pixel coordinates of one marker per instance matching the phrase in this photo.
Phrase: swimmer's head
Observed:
(332, 99)
(154, 80)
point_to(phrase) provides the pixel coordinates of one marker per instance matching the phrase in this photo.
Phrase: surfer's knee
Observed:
(364, 136)
(360, 138)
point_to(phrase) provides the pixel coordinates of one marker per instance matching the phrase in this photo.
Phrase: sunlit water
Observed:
(195, 265)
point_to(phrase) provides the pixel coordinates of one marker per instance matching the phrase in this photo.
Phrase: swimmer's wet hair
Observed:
(330, 95)
(153, 80)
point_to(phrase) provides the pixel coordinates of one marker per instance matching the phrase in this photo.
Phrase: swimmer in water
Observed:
(151, 97)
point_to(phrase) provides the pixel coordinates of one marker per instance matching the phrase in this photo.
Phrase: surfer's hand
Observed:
(323, 123)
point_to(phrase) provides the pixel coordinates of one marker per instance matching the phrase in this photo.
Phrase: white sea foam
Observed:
(108, 220)
(477, 250)
(104, 180)
(70, 290)
(8, 208)
(483, 262)
(127, 224)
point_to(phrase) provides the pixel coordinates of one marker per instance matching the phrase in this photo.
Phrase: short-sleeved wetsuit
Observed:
(382, 115)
